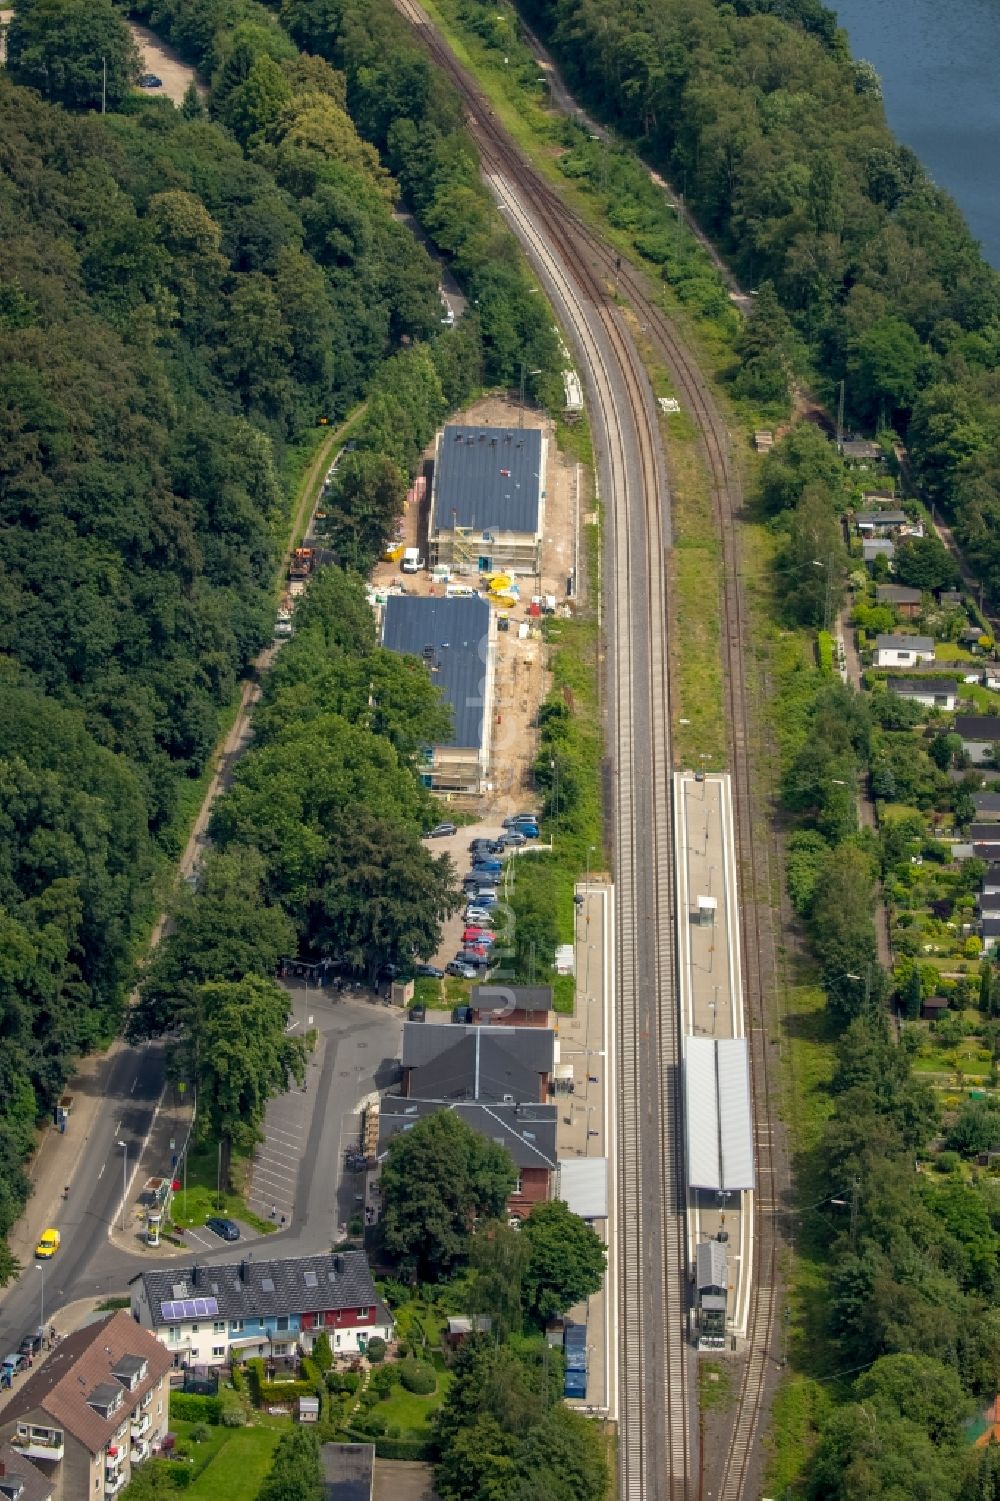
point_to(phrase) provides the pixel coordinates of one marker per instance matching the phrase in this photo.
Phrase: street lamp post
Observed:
(41, 1302)
(124, 1147)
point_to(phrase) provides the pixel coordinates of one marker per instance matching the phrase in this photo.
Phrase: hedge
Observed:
(195, 1409)
(425, 1450)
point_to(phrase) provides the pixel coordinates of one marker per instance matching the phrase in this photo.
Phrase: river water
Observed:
(939, 61)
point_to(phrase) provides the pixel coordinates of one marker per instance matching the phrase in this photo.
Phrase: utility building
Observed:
(456, 641)
(718, 1116)
(487, 509)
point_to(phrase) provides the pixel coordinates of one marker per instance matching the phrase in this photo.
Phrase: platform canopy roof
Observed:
(718, 1115)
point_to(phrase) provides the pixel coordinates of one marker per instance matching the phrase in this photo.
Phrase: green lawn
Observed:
(950, 651)
(230, 1464)
(410, 1413)
(239, 1466)
(201, 1201)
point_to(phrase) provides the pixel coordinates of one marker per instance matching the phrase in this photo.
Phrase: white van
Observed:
(412, 561)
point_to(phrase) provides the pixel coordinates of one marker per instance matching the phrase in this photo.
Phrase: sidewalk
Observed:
(58, 1155)
(585, 1128)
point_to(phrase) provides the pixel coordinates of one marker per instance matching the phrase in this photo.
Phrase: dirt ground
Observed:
(162, 60)
(5, 17)
(522, 679)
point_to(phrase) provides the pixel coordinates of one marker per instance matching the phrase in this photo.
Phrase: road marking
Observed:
(101, 1173)
(134, 1083)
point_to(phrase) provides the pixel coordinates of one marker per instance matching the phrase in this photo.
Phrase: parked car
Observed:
(13, 1365)
(48, 1244)
(463, 970)
(476, 953)
(30, 1345)
(428, 971)
(477, 914)
(442, 830)
(477, 934)
(513, 839)
(150, 81)
(529, 830)
(518, 818)
(225, 1229)
(486, 899)
(480, 846)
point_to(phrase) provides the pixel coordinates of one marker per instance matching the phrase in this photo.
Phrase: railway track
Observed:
(657, 1456)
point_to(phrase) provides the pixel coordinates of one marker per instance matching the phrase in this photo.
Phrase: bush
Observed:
(351, 1381)
(238, 1377)
(947, 1162)
(384, 1379)
(321, 1352)
(199, 1433)
(194, 1409)
(418, 1377)
(376, 1350)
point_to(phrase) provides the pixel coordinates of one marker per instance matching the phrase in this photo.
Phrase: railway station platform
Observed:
(718, 1122)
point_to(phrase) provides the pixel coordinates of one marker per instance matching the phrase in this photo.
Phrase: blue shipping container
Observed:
(575, 1384)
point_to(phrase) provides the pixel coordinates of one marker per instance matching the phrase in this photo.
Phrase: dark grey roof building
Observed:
(488, 499)
(527, 1131)
(456, 641)
(987, 806)
(978, 728)
(492, 1065)
(494, 1002)
(897, 594)
(348, 1471)
(254, 1290)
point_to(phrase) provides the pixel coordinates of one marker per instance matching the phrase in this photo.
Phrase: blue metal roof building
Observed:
(488, 499)
(455, 638)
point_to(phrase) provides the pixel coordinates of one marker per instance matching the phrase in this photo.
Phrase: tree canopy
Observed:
(566, 1260)
(438, 1179)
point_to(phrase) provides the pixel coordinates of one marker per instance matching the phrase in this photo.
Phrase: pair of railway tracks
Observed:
(657, 1398)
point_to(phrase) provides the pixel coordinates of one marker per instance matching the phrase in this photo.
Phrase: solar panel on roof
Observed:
(189, 1308)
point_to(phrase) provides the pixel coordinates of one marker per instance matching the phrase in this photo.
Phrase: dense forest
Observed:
(778, 141)
(184, 295)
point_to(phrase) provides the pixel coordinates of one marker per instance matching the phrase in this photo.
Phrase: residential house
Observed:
(985, 840)
(93, 1410)
(906, 602)
(862, 451)
(348, 1471)
(877, 547)
(497, 1080)
(512, 1005)
(989, 929)
(210, 1315)
(933, 693)
(902, 651)
(487, 508)
(988, 901)
(456, 641)
(980, 733)
(20, 1480)
(950, 599)
(987, 806)
(879, 523)
(933, 1007)
(991, 880)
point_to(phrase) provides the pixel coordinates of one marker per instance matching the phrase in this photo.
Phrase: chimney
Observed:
(244, 1270)
(195, 1275)
(338, 1263)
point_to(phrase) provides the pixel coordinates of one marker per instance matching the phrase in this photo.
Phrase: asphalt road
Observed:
(85, 1263)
